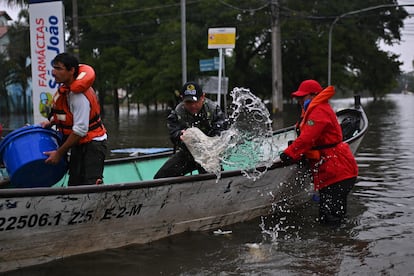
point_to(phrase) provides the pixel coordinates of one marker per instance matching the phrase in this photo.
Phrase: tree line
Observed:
(136, 45)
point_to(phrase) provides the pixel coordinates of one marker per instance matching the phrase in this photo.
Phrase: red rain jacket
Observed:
(320, 139)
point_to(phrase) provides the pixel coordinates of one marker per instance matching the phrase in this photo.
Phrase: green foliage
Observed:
(14, 67)
(136, 44)
(356, 56)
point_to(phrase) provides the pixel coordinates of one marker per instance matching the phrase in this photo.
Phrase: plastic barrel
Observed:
(21, 151)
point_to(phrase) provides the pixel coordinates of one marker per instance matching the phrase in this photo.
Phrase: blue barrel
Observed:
(21, 151)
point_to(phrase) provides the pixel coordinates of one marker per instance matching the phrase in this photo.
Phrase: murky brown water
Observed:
(377, 239)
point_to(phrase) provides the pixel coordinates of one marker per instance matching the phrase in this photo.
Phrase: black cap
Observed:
(191, 91)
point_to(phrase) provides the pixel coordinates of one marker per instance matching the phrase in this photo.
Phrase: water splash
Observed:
(253, 145)
(278, 227)
(247, 145)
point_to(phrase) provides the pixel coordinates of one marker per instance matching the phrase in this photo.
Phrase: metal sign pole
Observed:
(219, 75)
(219, 38)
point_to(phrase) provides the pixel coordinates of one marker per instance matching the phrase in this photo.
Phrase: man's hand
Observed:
(54, 157)
(181, 135)
(286, 159)
(46, 124)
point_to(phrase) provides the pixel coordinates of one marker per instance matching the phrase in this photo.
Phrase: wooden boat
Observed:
(38, 225)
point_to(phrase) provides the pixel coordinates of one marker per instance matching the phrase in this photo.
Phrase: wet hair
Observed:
(68, 61)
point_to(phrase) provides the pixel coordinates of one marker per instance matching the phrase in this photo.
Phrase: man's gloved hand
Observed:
(286, 159)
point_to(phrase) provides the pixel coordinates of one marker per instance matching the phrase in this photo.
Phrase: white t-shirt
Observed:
(80, 108)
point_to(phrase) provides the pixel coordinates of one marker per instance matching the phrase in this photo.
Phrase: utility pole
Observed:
(277, 83)
(75, 28)
(183, 43)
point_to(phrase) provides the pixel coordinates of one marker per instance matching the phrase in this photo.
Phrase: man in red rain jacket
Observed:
(332, 163)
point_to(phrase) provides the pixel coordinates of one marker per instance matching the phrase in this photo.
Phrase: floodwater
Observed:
(376, 239)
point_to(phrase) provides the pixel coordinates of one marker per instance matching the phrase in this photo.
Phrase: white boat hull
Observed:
(45, 227)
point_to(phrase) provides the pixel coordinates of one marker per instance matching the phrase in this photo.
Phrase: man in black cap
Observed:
(195, 110)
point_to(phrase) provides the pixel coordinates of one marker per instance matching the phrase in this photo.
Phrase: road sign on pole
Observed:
(211, 64)
(210, 85)
(206, 65)
(221, 38)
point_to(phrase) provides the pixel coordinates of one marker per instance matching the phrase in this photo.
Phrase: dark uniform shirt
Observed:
(211, 120)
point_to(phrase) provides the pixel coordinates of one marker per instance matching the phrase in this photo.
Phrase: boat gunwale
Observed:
(46, 191)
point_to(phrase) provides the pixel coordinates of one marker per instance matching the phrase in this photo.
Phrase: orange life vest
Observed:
(62, 116)
(84, 80)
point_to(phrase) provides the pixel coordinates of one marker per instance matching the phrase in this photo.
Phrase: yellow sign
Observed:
(221, 38)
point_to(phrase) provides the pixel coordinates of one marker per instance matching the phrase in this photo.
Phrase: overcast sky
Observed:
(11, 11)
(405, 49)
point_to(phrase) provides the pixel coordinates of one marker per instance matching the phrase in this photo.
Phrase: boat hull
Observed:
(81, 220)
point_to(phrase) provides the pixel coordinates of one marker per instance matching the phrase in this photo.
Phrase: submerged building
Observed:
(12, 96)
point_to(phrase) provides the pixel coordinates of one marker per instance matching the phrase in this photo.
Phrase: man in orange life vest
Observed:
(76, 114)
(332, 163)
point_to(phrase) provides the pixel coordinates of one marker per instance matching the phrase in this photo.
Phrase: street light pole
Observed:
(347, 14)
(330, 48)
